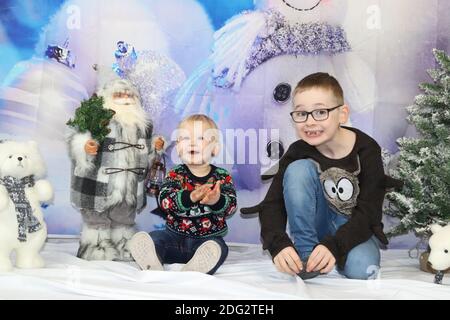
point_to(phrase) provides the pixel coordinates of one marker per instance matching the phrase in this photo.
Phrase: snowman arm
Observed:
(44, 191)
(239, 23)
(173, 199)
(233, 45)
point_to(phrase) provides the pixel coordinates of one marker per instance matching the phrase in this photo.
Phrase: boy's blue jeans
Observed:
(175, 248)
(311, 219)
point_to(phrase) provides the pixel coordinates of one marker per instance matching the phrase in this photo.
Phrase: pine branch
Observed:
(92, 117)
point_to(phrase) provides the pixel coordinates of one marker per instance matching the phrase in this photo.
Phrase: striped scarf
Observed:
(16, 191)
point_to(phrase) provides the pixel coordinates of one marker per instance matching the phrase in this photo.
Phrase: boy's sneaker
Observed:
(205, 257)
(304, 275)
(143, 251)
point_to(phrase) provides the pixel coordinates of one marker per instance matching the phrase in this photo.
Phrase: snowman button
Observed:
(282, 92)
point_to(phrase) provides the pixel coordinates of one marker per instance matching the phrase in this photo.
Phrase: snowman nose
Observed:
(20, 158)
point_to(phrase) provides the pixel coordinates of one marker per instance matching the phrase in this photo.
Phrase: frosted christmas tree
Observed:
(424, 162)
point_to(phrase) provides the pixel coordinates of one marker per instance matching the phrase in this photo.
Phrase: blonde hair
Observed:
(204, 119)
(199, 117)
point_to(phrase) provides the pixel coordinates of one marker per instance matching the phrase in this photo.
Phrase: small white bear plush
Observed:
(439, 243)
(22, 227)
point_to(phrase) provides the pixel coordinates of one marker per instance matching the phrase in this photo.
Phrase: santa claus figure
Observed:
(206, 225)
(107, 184)
(167, 204)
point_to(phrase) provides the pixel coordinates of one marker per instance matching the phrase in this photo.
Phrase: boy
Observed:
(330, 187)
(197, 197)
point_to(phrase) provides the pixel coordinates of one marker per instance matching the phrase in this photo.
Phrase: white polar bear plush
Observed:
(439, 258)
(22, 227)
(440, 247)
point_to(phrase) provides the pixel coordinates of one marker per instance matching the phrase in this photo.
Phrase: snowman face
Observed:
(265, 99)
(332, 11)
(302, 5)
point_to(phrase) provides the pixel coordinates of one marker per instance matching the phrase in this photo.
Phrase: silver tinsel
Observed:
(297, 39)
(156, 77)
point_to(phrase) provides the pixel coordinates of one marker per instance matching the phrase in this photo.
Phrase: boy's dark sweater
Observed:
(365, 218)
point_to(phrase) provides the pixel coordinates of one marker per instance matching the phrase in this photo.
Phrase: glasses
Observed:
(318, 115)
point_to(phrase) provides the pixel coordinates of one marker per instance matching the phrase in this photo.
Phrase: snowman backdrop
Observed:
(237, 61)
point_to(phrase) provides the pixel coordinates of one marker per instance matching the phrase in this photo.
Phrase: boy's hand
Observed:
(321, 259)
(91, 147)
(213, 196)
(288, 261)
(199, 193)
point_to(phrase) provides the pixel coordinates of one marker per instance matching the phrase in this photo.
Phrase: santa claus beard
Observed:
(129, 112)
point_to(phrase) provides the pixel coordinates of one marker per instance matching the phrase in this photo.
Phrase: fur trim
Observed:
(93, 236)
(127, 120)
(105, 75)
(121, 184)
(125, 232)
(83, 161)
(121, 238)
(95, 244)
(108, 253)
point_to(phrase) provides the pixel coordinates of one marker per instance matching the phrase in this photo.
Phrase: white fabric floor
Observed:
(248, 273)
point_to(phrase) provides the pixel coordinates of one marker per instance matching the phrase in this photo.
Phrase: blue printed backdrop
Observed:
(391, 49)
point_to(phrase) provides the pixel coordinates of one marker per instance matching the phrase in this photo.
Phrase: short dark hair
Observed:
(321, 80)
